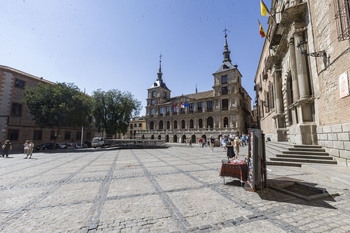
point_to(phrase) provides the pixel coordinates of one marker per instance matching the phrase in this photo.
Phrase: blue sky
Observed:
(115, 44)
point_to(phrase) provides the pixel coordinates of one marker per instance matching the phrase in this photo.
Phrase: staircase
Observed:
(287, 154)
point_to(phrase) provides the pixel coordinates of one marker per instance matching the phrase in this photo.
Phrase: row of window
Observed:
(153, 95)
(224, 106)
(13, 135)
(210, 124)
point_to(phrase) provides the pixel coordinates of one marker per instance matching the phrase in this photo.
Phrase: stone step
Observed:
(304, 156)
(297, 160)
(307, 146)
(305, 153)
(288, 164)
(307, 149)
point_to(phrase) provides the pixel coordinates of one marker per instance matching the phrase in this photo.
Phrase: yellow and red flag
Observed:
(264, 10)
(261, 30)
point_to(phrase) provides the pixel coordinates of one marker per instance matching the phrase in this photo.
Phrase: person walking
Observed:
(6, 148)
(230, 152)
(212, 141)
(30, 149)
(237, 143)
(25, 150)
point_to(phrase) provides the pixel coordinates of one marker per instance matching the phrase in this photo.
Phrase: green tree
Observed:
(112, 110)
(59, 105)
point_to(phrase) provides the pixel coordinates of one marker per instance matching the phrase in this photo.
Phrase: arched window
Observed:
(175, 138)
(152, 137)
(225, 122)
(191, 124)
(200, 123)
(160, 124)
(168, 124)
(167, 138)
(175, 124)
(159, 137)
(183, 124)
(210, 123)
(183, 139)
(151, 125)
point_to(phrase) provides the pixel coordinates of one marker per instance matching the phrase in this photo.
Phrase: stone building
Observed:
(135, 125)
(16, 123)
(226, 109)
(302, 83)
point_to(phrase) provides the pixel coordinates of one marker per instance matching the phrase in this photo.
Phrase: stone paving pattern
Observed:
(155, 190)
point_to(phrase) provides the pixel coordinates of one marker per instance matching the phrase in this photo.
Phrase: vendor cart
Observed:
(235, 169)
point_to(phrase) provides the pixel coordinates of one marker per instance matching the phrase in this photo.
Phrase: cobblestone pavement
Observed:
(155, 190)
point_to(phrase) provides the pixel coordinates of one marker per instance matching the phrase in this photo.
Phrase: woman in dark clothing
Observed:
(229, 145)
(6, 148)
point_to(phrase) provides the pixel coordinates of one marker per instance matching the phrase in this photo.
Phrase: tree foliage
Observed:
(58, 105)
(112, 110)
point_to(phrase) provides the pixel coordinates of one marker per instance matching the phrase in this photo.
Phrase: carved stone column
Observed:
(301, 66)
(293, 68)
(278, 91)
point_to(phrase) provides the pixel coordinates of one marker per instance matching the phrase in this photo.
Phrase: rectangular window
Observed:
(224, 91)
(78, 136)
(16, 110)
(153, 102)
(224, 104)
(37, 135)
(153, 93)
(191, 108)
(67, 135)
(342, 18)
(20, 83)
(164, 95)
(224, 79)
(152, 112)
(140, 125)
(200, 107)
(12, 134)
(175, 109)
(209, 106)
(161, 111)
(168, 110)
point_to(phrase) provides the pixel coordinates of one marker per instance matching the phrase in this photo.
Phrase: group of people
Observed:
(28, 149)
(232, 143)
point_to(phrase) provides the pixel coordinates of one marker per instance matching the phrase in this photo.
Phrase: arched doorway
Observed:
(152, 137)
(175, 138)
(204, 138)
(151, 125)
(167, 138)
(143, 137)
(159, 137)
(183, 139)
(210, 123)
(193, 138)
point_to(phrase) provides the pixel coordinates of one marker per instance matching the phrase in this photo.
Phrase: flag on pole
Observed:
(261, 30)
(264, 10)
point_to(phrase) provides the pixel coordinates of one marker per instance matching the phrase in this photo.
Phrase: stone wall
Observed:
(336, 140)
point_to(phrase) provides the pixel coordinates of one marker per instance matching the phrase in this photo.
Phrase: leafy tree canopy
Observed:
(58, 105)
(113, 110)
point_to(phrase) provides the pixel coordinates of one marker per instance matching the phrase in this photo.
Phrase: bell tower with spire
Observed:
(158, 93)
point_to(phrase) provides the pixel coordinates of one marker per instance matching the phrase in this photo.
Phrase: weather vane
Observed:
(226, 30)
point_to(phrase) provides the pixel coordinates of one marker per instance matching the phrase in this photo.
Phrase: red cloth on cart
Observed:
(235, 170)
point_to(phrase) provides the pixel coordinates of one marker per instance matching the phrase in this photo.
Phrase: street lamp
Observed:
(302, 47)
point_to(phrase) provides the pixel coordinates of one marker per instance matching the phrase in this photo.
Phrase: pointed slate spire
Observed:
(226, 52)
(160, 74)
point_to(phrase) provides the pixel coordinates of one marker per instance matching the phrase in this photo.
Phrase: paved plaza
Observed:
(156, 190)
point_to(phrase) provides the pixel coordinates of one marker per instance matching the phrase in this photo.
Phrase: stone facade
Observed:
(16, 123)
(298, 84)
(135, 125)
(226, 109)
